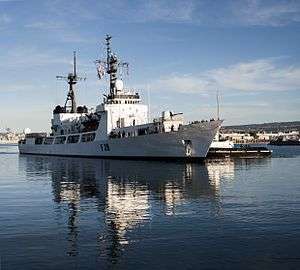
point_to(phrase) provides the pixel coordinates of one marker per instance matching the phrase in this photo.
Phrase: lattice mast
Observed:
(111, 66)
(72, 79)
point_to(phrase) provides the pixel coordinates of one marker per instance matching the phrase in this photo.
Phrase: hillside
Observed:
(268, 127)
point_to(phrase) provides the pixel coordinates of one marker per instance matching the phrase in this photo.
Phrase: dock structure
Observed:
(245, 151)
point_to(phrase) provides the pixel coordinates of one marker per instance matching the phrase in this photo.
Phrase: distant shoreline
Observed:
(268, 127)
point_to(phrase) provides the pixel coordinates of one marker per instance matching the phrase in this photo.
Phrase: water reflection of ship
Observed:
(124, 191)
(218, 170)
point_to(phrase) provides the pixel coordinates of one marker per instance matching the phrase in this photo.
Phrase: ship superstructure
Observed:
(120, 125)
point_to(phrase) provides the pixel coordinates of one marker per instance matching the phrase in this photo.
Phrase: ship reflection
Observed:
(125, 194)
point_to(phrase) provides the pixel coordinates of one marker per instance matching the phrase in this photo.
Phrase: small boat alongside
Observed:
(222, 149)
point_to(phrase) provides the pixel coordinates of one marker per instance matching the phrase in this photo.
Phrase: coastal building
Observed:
(10, 137)
(237, 137)
(261, 136)
(289, 135)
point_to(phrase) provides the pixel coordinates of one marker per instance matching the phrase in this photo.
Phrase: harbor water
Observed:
(75, 213)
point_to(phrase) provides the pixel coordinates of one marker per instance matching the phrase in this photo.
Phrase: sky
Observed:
(180, 54)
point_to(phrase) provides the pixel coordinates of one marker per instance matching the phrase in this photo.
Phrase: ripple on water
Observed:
(66, 213)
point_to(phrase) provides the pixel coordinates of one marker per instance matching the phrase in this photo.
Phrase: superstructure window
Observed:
(88, 137)
(48, 140)
(142, 131)
(39, 140)
(73, 139)
(60, 140)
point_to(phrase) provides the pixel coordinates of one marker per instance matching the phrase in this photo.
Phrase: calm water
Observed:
(71, 213)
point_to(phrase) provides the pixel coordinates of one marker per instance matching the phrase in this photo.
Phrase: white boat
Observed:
(222, 144)
(120, 126)
(226, 148)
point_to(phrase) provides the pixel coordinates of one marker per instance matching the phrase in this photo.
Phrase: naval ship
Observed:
(120, 126)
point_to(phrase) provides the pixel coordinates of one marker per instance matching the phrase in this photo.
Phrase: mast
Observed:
(218, 106)
(111, 65)
(72, 79)
(108, 50)
(217, 137)
(148, 97)
(74, 63)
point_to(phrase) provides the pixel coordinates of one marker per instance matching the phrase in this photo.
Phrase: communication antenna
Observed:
(148, 99)
(74, 63)
(108, 50)
(218, 106)
(217, 137)
(72, 79)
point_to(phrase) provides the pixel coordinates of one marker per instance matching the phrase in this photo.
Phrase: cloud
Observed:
(266, 13)
(232, 13)
(124, 11)
(184, 83)
(66, 24)
(45, 25)
(18, 58)
(18, 87)
(157, 11)
(213, 13)
(75, 10)
(258, 75)
(4, 19)
(61, 31)
(70, 36)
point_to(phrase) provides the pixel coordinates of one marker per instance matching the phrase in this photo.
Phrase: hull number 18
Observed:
(104, 147)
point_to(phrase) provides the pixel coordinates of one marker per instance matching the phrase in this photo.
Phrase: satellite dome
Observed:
(119, 85)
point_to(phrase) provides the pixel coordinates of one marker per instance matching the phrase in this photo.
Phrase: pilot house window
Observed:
(60, 140)
(48, 140)
(39, 140)
(73, 139)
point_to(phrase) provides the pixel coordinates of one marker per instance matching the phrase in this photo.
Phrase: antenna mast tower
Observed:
(110, 66)
(72, 79)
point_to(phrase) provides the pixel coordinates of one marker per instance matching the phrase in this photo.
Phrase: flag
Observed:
(100, 71)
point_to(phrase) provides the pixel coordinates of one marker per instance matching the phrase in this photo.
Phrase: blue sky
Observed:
(183, 51)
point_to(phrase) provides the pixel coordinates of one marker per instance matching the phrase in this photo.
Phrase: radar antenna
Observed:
(72, 79)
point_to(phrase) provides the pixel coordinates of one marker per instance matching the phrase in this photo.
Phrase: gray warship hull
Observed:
(192, 142)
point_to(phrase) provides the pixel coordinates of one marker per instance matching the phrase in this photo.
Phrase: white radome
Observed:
(119, 85)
